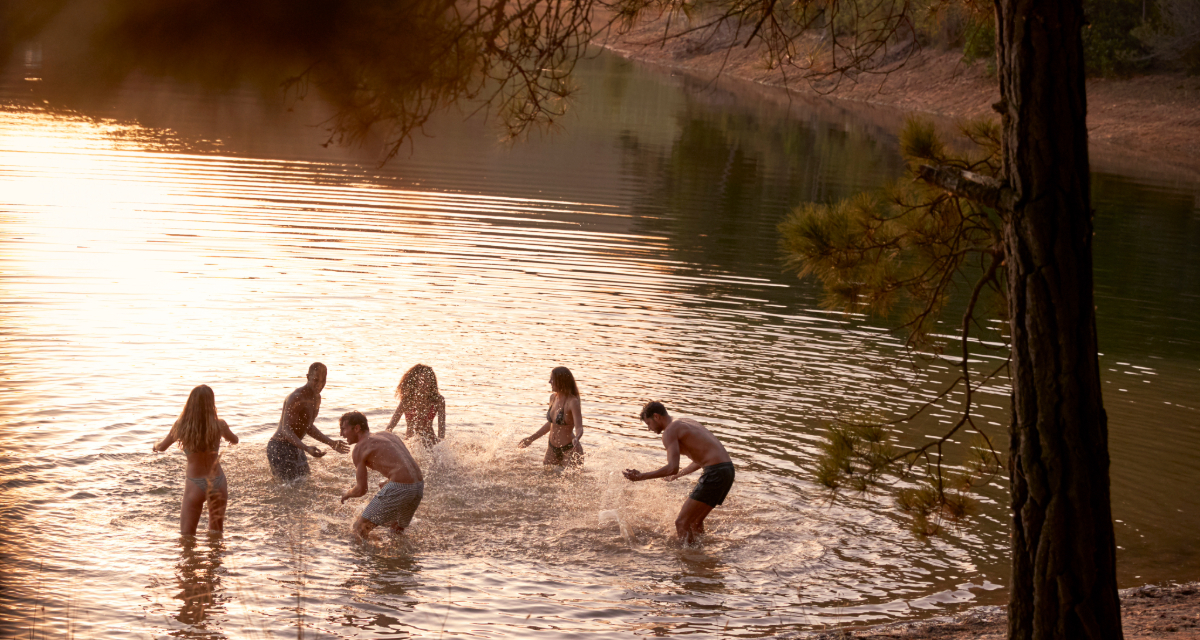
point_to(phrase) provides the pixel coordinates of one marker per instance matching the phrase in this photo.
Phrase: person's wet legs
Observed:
(193, 505)
(361, 528)
(690, 521)
(218, 498)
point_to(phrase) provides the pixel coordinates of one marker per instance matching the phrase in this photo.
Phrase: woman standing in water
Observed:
(199, 431)
(420, 402)
(564, 421)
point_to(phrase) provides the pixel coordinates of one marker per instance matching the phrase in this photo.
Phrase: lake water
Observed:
(162, 238)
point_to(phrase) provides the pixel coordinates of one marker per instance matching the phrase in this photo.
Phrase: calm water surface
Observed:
(164, 238)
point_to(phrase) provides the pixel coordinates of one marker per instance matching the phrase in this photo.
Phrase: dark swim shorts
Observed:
(714, 484)
(288, 462)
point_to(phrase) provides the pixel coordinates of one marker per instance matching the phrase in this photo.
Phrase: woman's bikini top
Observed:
(433, 411)
(559, 419)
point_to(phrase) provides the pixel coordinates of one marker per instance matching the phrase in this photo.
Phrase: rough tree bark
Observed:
(1064, 564)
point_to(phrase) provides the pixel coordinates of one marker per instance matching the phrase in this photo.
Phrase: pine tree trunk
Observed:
(1064, 565)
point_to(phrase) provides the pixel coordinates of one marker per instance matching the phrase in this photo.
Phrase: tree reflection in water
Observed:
(384, 66)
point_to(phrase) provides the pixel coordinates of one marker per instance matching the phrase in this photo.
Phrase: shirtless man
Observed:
(693, 440)
(285, 451)
(403, 487)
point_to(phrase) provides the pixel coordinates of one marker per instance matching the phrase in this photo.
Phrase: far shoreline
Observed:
(1145, 126)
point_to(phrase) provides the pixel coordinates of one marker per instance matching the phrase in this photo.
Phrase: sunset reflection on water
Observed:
(134, 266)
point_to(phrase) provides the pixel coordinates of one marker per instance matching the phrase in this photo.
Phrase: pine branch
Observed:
(981, 189)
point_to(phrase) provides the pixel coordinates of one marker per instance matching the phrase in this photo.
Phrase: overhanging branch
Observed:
(981, 189)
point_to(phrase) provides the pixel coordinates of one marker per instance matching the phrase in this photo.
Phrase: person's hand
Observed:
(345, 498)
(340, 446)
(672, 477)
(155, 448)
(523, 443)
(578, 447)
(316, 453)
(633, 475)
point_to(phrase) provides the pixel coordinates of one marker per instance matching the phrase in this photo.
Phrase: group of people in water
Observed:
(198, 431)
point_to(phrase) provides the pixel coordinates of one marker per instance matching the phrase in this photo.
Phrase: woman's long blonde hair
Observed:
(418, 383)
(197, 428)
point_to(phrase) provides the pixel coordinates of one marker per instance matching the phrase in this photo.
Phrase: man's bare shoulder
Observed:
(386, 436)
(685, 424)
(387, 439)
(297, 395)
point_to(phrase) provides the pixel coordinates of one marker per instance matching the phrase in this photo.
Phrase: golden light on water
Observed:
(138, 261)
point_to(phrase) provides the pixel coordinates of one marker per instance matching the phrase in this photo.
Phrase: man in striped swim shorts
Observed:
(384, 452)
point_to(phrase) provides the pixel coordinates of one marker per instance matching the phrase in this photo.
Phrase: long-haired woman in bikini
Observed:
(198, 432)
(420, 403)
(564, 421)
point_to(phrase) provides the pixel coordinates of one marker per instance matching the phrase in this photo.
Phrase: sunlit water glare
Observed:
(136, 263)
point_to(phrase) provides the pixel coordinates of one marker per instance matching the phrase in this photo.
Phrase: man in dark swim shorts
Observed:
(285, 451)
(689, 437)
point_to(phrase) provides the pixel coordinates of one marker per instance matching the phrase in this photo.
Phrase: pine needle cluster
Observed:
(904, 252)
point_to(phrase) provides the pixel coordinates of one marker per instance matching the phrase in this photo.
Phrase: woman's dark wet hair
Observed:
(418, 383)
(355, 419)
(562, 380)
(653, 407)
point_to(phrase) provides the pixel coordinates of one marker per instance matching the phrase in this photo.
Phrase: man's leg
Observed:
(362, 527)
(690, 521)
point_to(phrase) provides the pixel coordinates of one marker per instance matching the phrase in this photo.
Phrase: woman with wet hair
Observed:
(420, 403)
(564, 421)
(198, 432)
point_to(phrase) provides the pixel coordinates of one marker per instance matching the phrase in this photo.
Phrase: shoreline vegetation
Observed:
(1144, 124)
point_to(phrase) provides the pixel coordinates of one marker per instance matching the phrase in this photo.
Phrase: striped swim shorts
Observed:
(396, 503)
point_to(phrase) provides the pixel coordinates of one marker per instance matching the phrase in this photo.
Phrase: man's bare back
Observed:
(386, 453)
(696, 442)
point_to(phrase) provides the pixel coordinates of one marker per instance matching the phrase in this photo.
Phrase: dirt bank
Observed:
(1163, 613)
(1149, 123)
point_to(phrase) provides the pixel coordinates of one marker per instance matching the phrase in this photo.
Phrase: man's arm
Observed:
(285, 427)
(312, 430)
(338, 445)
(686, 470)
(360, 468)
(671, 442)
